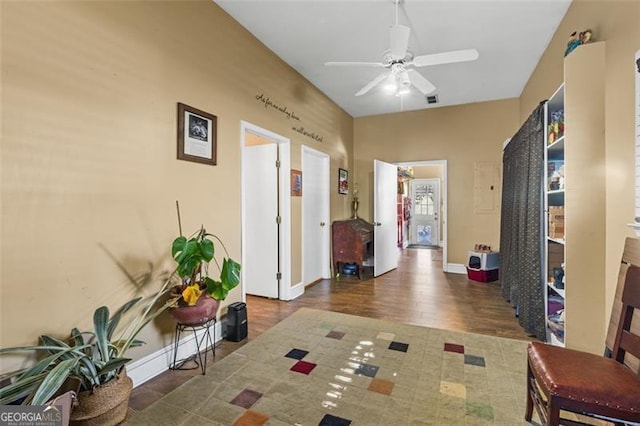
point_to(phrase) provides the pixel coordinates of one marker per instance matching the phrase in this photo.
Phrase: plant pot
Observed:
(202, 312)
(105, 405)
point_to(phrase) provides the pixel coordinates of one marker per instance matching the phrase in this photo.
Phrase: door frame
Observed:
(326, 200)
(284, 146)
(444, 211)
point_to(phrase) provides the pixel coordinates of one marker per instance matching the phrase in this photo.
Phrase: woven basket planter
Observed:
(106, 405)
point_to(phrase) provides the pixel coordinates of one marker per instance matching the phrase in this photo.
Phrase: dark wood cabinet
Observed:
(352, 242)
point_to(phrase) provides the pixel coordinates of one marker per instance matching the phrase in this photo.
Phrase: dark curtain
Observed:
(521, 227)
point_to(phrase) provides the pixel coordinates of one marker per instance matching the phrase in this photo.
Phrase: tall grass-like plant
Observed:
(92, 357)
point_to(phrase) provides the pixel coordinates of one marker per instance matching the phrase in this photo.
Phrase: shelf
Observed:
(555, 247)
(555, 151)
(556, 102)
(559, 292)
(555, 340)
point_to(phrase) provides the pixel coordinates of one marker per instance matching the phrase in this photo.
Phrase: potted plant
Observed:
(199, 294)
(94, 360)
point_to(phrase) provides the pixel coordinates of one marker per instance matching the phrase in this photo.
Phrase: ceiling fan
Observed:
(399, 62)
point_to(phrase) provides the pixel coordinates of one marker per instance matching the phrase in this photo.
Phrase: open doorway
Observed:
(266, 224)
(428, 221)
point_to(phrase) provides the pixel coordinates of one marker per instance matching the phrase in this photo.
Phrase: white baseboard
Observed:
(456, 268)
(158, 362)
(297, 291)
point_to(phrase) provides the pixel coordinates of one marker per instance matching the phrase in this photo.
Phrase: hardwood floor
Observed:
(418, 292)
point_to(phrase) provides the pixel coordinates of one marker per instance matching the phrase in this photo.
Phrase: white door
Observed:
(260, 199)
(315, 216)
(424, 228)
(385, 250)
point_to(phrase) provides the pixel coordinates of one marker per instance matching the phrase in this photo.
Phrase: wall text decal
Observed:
(283, 109)
(304, 132)
(268, 103)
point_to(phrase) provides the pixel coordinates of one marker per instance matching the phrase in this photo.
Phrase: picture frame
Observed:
(343, 181)
(197, 135)
(296, 183)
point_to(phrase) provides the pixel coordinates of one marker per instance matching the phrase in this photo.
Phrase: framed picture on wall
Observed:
(343, 181)
(196, 135)
(296, 183)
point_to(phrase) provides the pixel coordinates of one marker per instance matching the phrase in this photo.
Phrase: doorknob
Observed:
(322, 223)
(377, 224)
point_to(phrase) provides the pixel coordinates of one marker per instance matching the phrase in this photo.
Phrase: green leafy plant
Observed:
(92, 357)
(193, 256)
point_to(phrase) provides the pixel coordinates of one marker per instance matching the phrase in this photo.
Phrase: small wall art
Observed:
(196, 135)
(296, 183)
(343, 181)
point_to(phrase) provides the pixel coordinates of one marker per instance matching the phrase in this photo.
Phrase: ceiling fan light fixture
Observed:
(403, 90)
(403, 79)
(390, 86)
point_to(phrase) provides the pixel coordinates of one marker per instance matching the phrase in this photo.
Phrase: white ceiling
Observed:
(510, 35)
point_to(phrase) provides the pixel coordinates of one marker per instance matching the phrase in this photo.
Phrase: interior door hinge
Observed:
(278, 220)
(278, 164)
(278, 276)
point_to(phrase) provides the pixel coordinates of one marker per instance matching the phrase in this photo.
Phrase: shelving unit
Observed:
(554, 207)
(581, 244)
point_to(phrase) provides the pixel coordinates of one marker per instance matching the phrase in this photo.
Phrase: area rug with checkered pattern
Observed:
(326, 368)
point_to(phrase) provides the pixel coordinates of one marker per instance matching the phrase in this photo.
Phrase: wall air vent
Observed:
(432, 99)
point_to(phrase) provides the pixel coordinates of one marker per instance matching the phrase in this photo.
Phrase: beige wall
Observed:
(89, 175)
(428, 172)
(462, 135)
(618, 24)
(89, 169)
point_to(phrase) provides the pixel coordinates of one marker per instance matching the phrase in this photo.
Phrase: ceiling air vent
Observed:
(433, 99)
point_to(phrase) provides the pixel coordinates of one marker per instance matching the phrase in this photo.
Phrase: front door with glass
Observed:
(425, 223)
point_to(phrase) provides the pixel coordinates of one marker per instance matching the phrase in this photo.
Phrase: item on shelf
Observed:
(558, 278)
(555, 174)
(556, 126)
(576, 39)
(555, 304)
(556, 324)
(482, 248)
(556, 231)
(556, 222)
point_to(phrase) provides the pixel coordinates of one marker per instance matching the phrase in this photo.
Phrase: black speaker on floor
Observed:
(237, 324)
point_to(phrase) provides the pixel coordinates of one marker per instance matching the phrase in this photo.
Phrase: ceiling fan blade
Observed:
(420, 83)
(446, 57)
(399, 41)
(355, 64)
(372, 84)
